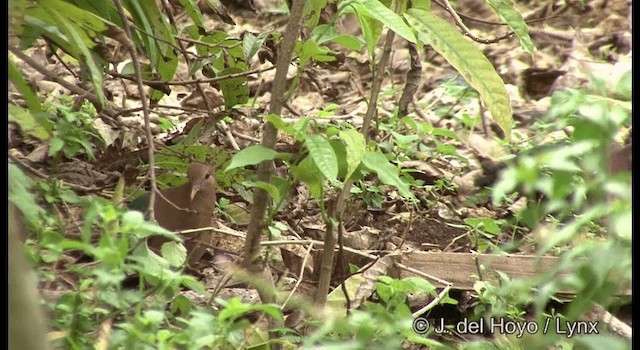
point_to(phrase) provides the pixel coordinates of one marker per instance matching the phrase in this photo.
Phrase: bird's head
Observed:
(201, 177)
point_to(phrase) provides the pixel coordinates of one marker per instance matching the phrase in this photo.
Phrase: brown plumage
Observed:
(197, 198)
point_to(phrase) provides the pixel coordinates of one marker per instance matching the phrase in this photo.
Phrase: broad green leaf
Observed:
(235, 90)
(387, 172)
(340, 150)
(251, 44)
(311, 50)
(468, 61)
(29, 124)
(312, 11)
(375, 9)
(513, 18)
(280, 124)
(55, 146)
(323, 155)
(273, 191)
(325, 32)
(356, 146)
(307, 172)
(175, 253)
(253, 155)
(20, 186)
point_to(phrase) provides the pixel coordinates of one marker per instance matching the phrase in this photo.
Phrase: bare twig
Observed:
(108, 111)
(194, 81)
(466, 31)
(433, 302)
(300, 276)
(145, 107)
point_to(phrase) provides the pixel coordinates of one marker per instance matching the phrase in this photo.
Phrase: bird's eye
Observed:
(207, 176)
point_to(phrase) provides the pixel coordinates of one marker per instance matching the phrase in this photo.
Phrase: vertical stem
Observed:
(265, 169)
(145, 107)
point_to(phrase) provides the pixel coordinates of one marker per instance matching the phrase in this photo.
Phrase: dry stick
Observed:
(37, 173)
(466, 30)
(300, 277)
(261, 197)
(107, 112)
(324, 279)
(433, 303)
(205, 98)
(145, 108)
(414, 79)
(482, 21)
(195, 81)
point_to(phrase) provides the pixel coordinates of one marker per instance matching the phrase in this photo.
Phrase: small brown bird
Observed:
(196, 200)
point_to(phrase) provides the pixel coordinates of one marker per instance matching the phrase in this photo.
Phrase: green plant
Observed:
(579, 193)
(72, 131)
(386, 324)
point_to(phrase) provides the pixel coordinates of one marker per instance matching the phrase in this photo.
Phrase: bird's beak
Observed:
(194, 189)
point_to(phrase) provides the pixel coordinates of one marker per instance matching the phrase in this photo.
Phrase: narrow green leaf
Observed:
(141, 18)
(192, 9)
(76, 37)
(375, 9)
(387, 172)
(514, 20)
(468, 60)
(18, 81)
(323, 155)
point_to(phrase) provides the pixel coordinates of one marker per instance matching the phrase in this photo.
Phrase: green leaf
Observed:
(29, 124)
(76, 38)
(387, 173)
(323, 155)
(468, 61)
(325, 32)
(277, 121)
(20, 186)
(192, 9)
(375, 9)
(311, 50)
(29, 96)
(371, 29)
(253, 155)
(251, 44)
(312, 11)
(55, 146)
(356, 147)
(307, 172)
(514, 20)
(175, 253)
(235, 90)
(273, 191)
